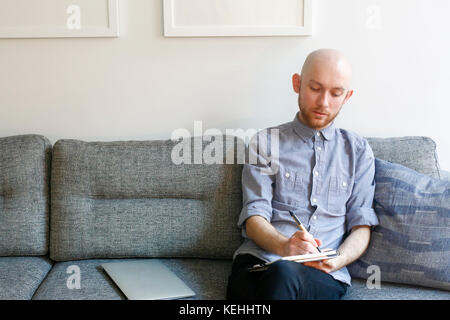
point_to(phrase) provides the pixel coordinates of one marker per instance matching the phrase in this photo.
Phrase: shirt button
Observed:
(319, 148)
(315, 217)
(318, 134)
(344, 184)
(287, 175)
(316, 173)
(314, 200)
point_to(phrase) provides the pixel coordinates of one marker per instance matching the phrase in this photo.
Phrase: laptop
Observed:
(147, 279)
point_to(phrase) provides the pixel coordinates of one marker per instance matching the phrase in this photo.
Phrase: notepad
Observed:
(325, 254)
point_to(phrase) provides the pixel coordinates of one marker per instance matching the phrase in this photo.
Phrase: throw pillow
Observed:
(411, 244)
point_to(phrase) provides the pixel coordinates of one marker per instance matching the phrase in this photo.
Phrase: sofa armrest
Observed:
(445, 175)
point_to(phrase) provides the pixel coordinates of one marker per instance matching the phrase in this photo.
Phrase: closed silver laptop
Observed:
(147, 279)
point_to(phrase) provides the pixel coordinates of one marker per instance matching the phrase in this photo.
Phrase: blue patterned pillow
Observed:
(412, 243)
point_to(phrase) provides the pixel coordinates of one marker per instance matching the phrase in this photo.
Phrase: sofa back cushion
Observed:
(129, 199)
(24, 188)
(417, 153)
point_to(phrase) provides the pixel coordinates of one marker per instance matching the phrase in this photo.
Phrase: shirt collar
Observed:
(307, 133)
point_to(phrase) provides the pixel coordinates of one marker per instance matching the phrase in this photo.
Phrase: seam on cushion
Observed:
(438, 167)
(106, 197)
(435, 156)
(45, 277)
(48, 155)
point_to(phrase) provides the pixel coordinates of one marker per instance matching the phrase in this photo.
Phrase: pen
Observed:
(300, 225)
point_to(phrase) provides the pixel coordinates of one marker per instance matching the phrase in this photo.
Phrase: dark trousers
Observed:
(283, 280)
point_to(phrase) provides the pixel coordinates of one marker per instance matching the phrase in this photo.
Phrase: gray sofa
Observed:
(83, 203)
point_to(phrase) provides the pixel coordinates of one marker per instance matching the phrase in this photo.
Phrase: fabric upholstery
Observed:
(24, 188)
(412, 243)
(129, 199)
(207, 278)
(393, 291)
(21, 276)
(417, 153)
(94, 283)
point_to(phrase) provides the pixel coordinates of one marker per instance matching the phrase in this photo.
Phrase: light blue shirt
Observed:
(326, 177)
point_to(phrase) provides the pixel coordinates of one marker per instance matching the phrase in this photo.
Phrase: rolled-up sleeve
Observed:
(360, 210)
(257, 185)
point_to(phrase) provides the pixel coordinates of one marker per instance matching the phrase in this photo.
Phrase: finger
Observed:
(313, 264)
(310, 248)
(304, 247)
(305, 236)
(318, 265)
(319, 242)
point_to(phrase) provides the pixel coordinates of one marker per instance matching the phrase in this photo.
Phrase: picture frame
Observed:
(109, 26)
(245, 20)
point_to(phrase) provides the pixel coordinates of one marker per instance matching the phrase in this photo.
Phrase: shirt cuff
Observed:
(254, 210)
(361, 217)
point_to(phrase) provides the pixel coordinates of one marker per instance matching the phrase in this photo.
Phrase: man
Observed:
(326, 176)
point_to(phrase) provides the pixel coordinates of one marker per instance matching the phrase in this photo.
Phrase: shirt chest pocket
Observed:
(339, 190)
(289, 181)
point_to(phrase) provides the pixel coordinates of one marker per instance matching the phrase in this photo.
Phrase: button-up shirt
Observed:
(325, 177)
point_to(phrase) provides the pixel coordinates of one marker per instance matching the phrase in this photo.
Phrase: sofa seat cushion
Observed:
(207, 278)
(21, 276)
(393, 291)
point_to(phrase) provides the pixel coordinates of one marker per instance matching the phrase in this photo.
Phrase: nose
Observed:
(323, 100)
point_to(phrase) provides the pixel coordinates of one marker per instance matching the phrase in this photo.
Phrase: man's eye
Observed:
(337, 94)
(315, 89)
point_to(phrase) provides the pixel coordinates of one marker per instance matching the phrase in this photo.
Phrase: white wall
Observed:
(144, 86)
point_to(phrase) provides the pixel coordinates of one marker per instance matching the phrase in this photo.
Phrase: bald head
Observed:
(323, 87)
(330, 61)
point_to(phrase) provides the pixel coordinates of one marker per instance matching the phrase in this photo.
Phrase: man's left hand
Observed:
(327, 266)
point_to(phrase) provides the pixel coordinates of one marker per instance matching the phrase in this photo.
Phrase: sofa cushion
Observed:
(24, 189)
(417, 153)
(94, 282)
(412, 242)
(129, 199)
(393, 291)
(207, 278)
(21, 276)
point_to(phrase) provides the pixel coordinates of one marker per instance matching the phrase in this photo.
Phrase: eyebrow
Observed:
(335, 88)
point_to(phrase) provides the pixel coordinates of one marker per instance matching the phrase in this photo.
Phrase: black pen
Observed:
(300, 225)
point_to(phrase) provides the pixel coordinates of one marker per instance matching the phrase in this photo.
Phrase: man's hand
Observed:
(350, 250)
(301, 243)
(267, 237)
(327, 266)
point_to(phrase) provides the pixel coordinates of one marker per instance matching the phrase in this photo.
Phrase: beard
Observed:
(314, 121)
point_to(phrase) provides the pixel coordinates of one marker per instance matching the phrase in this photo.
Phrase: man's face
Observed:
(322, 91)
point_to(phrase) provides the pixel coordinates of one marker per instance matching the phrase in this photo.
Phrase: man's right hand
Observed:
(301, 243)
(267, 237)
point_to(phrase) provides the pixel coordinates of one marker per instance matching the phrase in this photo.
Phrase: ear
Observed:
(296, 81)
(349, 94)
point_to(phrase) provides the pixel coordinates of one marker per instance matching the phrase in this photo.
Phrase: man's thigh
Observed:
(283, 280)
(286, 280)
(242, 284)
